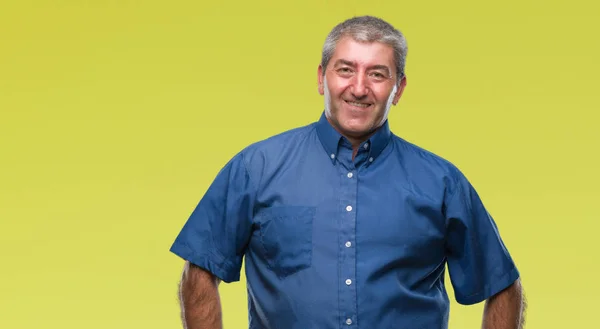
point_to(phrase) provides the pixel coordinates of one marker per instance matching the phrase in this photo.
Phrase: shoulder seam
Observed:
(246, 169)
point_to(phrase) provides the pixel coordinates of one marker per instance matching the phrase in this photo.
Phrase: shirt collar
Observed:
(330, 138)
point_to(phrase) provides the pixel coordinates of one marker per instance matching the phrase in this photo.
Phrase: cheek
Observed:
(381, 96)
(337, 93)
(337, 87)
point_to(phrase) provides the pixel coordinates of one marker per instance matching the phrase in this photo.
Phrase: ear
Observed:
(400, 90)
(320, 79)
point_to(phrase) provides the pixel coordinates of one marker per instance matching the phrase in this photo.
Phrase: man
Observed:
(342, 223)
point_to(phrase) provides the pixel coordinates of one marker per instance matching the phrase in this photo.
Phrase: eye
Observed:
(345, 72)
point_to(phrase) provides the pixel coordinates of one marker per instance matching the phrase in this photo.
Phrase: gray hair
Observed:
(367, 29)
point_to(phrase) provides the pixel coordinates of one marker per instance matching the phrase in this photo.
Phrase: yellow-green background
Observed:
(116, 115)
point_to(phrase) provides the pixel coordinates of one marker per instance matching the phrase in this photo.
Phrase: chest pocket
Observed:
(286, 234)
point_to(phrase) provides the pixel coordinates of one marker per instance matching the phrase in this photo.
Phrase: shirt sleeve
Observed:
(479, 263)
(217, 232)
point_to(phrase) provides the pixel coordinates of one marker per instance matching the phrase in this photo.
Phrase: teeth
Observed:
(358, 104)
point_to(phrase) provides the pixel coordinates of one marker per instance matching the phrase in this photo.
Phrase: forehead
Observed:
(363, 53)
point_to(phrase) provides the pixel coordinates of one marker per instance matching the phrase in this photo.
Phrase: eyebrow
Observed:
(344, 62)
(374, 67)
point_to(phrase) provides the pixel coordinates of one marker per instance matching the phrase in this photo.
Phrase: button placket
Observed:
(347, 231)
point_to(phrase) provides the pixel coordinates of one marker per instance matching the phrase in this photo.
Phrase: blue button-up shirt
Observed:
(335, 242)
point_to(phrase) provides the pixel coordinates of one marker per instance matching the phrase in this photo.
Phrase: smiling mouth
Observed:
(358, 104)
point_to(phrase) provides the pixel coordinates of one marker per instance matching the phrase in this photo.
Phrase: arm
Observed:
(213, 242)
(199, 299)
(506, 309)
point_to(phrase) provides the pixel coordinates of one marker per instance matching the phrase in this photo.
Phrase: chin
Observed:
(358, 129)
(354, 123)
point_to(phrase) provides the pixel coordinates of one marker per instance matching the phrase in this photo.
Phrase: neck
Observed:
(355, 141)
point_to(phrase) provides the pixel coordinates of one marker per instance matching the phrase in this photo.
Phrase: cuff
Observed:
(218, 266)
(490, 289)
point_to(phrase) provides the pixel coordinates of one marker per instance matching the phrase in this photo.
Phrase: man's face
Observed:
(359, 86)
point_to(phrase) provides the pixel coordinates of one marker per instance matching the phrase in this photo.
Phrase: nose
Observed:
(359, 88)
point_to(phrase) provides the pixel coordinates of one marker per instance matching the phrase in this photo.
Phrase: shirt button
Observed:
(350, 175)
(348, 282)
(348, 321)
(366, 146)
(332, 156)
(348, 244)
(370, 159)
(349, 208)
